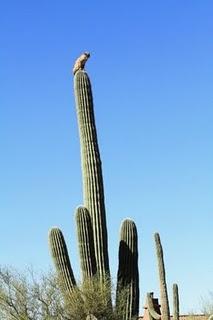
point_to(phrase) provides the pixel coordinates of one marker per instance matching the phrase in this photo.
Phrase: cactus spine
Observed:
(86, 243)
(175, 302)
(93, 188)
(128, 277)
(61, 259)
(165, 314)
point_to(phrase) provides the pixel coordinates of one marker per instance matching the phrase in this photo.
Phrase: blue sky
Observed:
(151, 70)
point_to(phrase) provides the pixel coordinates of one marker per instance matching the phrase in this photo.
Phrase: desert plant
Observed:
(91, 221)
(127, 277)
(61, 259)
(93, 188)
(90, 298)
(153, 313)
(207, 304)
(175, 302)
(31, 296)
(28, 296)
(164, 301)
(86, 243)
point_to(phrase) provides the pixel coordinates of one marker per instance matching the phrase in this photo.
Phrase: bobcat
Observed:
(80, 62)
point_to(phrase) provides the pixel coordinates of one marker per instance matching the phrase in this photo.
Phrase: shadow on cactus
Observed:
(92, 232)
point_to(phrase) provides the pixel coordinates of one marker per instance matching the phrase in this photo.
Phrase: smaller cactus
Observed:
(128, 277)
(61, 259)
(164, 301)
(176, 302)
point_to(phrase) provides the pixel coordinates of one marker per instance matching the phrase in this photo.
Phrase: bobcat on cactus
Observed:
(80, 62)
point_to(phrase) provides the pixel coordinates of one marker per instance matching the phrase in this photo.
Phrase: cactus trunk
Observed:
(93, 189)
(128, 277)
(165, 314)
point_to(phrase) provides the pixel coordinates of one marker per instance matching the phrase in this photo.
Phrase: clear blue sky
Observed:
(151, 69)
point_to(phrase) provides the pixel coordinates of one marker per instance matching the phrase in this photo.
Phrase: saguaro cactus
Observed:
(175, 302)
(128, 277)
(165, 314)
(91, 218)
(93, 188)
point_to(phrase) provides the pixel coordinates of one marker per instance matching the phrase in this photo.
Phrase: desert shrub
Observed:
(31, 296)
(96, 298)
(28, 296)
(207, 304)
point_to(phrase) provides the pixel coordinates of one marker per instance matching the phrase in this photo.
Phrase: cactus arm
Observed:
(128, 277)
(86, 243)
(93, 188)
(165, 313)
(151, 309)
(61, 260)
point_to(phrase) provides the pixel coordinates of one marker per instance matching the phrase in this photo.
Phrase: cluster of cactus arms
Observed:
(91, 217)
(92, 229)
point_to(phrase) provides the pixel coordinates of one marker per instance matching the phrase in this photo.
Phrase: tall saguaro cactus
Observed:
(164, 301)
(128, 277)
(93, 188)
(91, 217)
